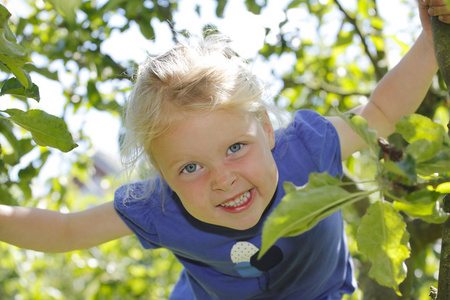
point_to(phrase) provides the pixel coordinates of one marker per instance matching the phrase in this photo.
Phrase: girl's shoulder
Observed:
(309, 128)
(309, 138)
(137, 197)
(308, 123)
(141, 206)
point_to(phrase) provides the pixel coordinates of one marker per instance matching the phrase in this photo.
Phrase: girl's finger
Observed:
(444, 18)
(439, 10)
(434, 2)
(423, 2)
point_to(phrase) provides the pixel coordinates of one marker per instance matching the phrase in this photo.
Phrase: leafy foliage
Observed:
(335, 63)
(384, 238)
(382, 235)
(12, 55)
(46, 130)
(321, 197)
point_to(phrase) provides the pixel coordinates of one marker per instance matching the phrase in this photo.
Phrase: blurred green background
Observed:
(315, 54)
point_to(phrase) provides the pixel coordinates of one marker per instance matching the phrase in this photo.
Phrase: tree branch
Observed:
(320, 85)
(378, 71)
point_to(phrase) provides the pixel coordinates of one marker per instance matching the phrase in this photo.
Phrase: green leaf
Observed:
(111, 5)
(423, 150)
(344, 39)
(423, 196)
(302, 208)
(417, 127)
(92, 92)
(294, 4)
(360, 126)
(12, 54)
(425, 136)
(146, 29)
(317, 180)
(13, 87)
(46, 129)
(289, 187)
(6, 197)
(50, 74)
(12, 61)
(27, 173)
(443, 188)
(440, 163)
(221, 8)
(66, 8)
(6, 129)
(10, 51)
(422, 204)
(253, 6)
(382, 236)
(426, 146)
(22, 75)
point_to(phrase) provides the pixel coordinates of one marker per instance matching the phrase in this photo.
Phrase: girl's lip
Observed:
(242, 207)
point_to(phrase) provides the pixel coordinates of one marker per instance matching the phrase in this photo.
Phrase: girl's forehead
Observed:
(204, 127)
(205, 113)
(182, 118)
(215, 119)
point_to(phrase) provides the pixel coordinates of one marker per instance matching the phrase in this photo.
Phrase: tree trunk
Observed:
(441, 36)
(444, 266)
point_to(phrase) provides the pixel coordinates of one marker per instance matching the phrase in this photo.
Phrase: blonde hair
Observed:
(199, 74)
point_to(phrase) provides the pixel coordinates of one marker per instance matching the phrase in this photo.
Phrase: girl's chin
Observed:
(244, 224)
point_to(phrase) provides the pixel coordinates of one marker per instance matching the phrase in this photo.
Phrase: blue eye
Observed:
(191, 168)
(234, 148)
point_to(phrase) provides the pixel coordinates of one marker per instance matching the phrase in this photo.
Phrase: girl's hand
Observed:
(428, 8)
(436, 8)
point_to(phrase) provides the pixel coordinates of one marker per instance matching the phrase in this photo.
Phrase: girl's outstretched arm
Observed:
(51, 231)
(400, 92)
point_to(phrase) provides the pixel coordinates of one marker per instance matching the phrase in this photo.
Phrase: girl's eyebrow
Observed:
(178, 164)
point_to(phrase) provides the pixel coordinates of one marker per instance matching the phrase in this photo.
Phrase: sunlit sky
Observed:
(244, 28)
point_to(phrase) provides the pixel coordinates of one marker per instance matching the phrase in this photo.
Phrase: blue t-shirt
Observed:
(220, 263)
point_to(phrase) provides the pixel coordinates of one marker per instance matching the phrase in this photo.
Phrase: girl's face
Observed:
(221, 166)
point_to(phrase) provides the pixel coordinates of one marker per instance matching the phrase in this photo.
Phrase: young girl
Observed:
(197, 114)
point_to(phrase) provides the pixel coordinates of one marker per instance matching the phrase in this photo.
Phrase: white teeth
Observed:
(238, 201)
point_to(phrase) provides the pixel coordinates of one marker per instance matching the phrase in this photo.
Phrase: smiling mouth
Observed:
(237, 201)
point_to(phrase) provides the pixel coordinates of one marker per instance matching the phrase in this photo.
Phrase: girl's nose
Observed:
(222, 179)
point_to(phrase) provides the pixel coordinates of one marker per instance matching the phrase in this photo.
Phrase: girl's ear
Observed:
(268, 130)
